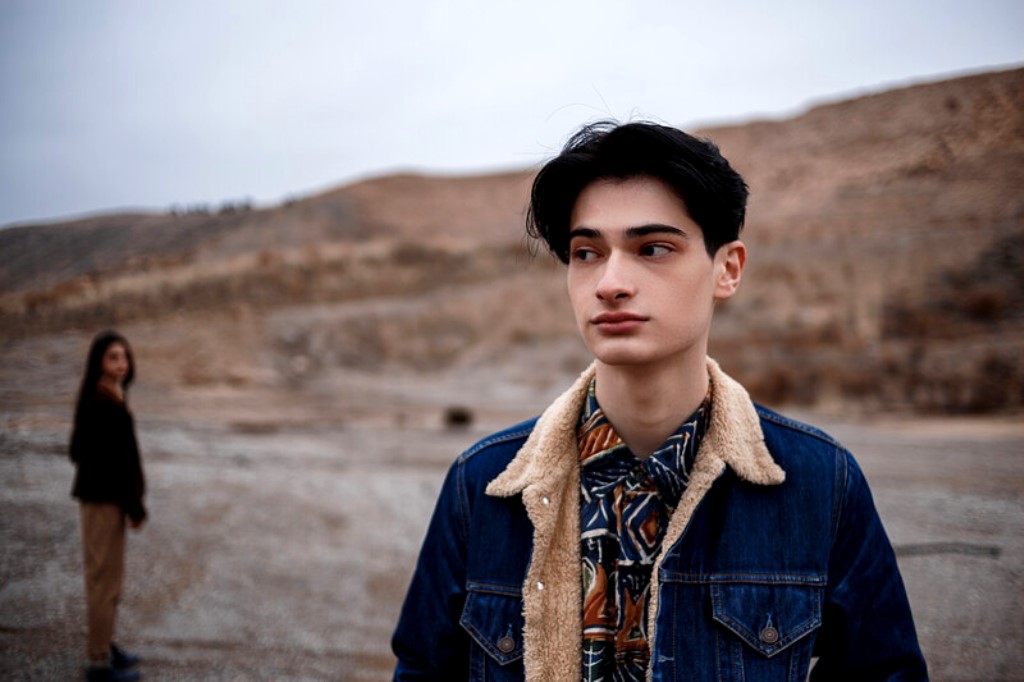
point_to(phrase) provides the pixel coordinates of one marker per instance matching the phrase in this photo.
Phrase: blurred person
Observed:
(653, 523)
(109, 485)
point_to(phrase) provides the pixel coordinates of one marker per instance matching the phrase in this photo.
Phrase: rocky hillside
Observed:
(886, 238)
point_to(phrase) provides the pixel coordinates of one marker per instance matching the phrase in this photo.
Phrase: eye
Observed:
(583, 254)
(655, 250)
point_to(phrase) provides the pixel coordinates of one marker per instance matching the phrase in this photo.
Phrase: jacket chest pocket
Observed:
(493, 617)
(766, 629)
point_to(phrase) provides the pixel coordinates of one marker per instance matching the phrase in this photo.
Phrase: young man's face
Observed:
(641, 283)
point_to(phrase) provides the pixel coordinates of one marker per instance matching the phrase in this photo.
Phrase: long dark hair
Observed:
(94, 365)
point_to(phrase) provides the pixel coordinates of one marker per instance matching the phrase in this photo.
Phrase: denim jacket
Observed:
(774, 556)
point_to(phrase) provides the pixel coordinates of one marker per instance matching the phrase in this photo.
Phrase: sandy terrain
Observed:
(280, 543)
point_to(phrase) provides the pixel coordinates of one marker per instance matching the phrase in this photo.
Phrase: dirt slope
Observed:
(886, 235)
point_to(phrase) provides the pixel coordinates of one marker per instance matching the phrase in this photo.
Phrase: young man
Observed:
(653, 523)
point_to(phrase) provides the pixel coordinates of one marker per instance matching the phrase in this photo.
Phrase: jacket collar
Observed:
(734, 437)
(545, 472)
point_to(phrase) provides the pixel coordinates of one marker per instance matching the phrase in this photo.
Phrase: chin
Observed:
(622, 356)
(627, 352)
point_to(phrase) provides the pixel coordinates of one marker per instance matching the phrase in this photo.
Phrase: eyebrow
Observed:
(637, 232)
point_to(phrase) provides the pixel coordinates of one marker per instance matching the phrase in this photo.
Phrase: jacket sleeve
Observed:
(428, 640)
(868, 631)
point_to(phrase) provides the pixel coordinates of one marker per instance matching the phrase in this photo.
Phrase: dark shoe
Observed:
(106, 673)
(121, 659)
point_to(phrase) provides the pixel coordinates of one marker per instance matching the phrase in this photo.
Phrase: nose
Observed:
(615, 283)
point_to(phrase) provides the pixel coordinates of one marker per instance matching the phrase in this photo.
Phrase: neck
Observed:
(646, 404)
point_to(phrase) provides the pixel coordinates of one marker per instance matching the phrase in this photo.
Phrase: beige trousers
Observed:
(103, 530)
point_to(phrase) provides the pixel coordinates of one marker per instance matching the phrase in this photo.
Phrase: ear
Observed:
(729, 261)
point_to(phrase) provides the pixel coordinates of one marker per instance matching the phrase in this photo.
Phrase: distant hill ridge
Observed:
(885, 235)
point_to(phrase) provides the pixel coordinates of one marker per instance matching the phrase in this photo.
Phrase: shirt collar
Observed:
(605, 458)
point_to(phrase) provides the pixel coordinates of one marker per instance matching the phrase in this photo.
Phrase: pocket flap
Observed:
(768, 617)
(493, 617)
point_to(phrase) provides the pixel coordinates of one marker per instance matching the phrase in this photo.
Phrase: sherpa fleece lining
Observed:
(546, 472)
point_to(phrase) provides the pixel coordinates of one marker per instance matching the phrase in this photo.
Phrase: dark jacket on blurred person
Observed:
(105, 450)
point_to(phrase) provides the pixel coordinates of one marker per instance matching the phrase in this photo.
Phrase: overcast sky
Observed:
(106, 105)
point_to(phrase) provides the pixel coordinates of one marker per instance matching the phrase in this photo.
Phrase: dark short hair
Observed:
(714, 194)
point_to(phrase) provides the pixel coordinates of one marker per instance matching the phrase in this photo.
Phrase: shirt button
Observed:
(769, 635)
(506, 644)
(540, 587)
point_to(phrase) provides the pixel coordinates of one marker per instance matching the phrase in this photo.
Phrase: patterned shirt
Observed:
(625, 506)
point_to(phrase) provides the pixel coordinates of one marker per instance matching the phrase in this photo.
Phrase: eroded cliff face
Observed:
(886, 238)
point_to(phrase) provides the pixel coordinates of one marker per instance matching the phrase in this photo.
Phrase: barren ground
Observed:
(284, 525)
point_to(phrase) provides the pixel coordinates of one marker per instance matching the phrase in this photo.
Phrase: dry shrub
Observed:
(458, 417)
(986, 303)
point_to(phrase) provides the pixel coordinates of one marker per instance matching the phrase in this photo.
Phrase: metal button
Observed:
(506, 644)
(769, 635)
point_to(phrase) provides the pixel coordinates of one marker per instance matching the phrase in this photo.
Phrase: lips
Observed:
(618, 322)
(619, 316)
